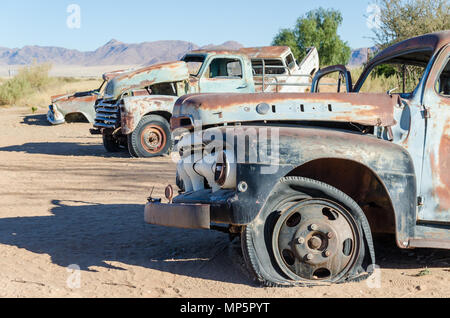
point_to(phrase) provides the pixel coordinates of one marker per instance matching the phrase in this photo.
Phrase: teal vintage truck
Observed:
(307, 180)
(136, 109)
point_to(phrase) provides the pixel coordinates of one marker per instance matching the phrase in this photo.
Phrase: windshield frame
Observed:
(368, 70)
(198, 56)
(102, 86)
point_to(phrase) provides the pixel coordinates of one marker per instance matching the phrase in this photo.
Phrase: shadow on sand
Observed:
(41, 120)
(65, 149)
(91, 235)
(36, 120)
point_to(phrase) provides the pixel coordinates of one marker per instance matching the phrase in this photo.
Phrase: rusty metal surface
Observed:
(407, 148)
(391, 165)
(342, 69)
(251, 52)
(137, 84)
(111, 75)
(304, 241)
(432, 42)
(137, 107)
(187, 216)
(78, 103)
(211, 109)
(266, 51)
(430, 243)
(435, 185)
(147, 76)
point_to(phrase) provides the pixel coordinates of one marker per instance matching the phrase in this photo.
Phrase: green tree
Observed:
(317, 28)
(403, 19)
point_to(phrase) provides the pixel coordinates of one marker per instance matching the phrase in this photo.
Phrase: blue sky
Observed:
(250, 22)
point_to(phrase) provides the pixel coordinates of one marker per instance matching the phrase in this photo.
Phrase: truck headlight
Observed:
(225, 171)
(221, 169)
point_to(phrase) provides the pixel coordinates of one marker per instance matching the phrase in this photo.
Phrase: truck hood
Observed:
(78, 96)
(96, 92)
(147, 76)
(111, 75)
(205, 110)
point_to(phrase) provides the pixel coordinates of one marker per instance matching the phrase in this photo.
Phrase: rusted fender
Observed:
(391, 164)
(136, 107)
(212, 109)
(144, 77)
(78, 103)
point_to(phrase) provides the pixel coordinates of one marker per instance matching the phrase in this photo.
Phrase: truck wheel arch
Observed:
(166, 115)
(371, 193)
(78, 117)
(134, 110)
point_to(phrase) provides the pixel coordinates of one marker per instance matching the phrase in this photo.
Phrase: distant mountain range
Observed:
(118, 53)
(112, 53)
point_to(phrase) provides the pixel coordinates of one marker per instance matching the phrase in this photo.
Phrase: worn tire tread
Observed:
(253, 263)
(133, 140)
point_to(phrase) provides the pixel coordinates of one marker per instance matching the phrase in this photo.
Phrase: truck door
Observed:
(435, 187)
(224, 74)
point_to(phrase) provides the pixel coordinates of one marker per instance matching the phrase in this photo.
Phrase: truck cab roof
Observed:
(266, 52)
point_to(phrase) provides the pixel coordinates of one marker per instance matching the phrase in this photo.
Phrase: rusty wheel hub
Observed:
(153, 139)
(315, 240)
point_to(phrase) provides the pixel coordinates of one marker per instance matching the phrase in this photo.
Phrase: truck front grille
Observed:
(107, 114)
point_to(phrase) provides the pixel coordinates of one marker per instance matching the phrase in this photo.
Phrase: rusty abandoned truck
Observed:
(137, 107)
(306, 179)
(66, 107)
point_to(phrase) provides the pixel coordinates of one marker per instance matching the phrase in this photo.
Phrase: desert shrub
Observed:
(387, 77)
(403, 19)
(65, 79)
(29, 80)
(377, 82)
(398, 21)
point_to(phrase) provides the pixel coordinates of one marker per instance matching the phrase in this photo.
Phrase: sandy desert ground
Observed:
(64, 202)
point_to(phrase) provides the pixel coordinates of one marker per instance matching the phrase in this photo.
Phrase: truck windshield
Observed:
(401, 74)
(194, 63)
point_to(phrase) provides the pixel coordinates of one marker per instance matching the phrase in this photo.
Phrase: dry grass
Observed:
(41, 98)
(28, 80)
(373, 84)
(380, 84)
(33, 87)
(383, 84)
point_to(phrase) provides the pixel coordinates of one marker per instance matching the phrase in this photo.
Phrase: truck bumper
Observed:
(55, 117)
(185, 216)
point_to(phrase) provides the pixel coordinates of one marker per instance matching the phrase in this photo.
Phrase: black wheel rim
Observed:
(315, 240)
